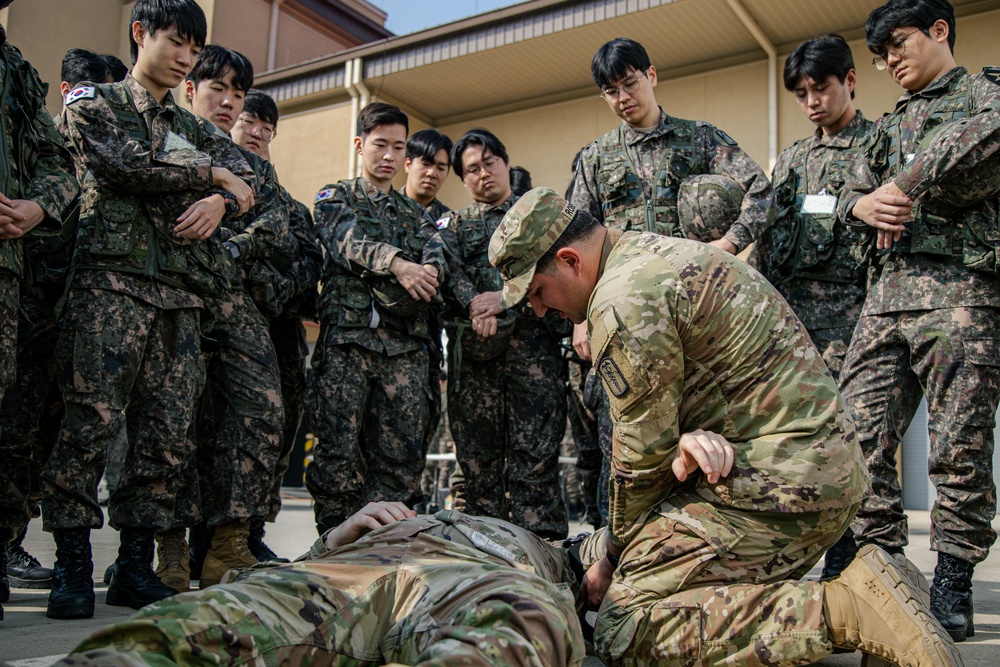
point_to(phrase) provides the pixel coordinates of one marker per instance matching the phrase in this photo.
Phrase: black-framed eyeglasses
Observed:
(898, 49)
(489, 165)
(613, 92)
(254, 126)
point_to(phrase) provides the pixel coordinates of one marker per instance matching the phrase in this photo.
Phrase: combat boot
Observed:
(258, 547)
(230, 551)
(173, 563)
(839, 556)
(951, 596)
(23, 569)
(200, 537)
(871, 607)
(134, 584)
(72, 594)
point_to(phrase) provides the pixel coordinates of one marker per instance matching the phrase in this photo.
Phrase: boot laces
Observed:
(18, 557)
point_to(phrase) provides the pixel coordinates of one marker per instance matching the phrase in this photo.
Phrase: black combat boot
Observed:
(839, 556)
(951, 596)
(4, 586)
(258, 548)
(23, 569)
(72, 594)
(199, 542)
(134, 584)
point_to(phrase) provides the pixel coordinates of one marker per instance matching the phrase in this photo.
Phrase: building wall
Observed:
(243, 25)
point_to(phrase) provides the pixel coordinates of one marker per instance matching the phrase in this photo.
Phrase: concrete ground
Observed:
(29, 639)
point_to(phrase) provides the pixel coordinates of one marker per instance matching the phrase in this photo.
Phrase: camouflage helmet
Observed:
(975, 185)
(707, 206)
(394, 298)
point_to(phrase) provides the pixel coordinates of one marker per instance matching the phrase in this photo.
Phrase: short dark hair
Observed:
(83, 65)
(425, 144)
(476, 137)
(895, 14)
(380, 113)
(616, 59)
(520, 181)
(116, 68)
(155, 15)
(214, 60)
(260, 105)
(581, 226)
(819, 59)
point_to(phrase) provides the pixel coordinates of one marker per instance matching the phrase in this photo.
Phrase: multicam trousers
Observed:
(951, 355)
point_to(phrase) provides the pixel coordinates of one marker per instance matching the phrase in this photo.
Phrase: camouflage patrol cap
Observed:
(529, 229)
(392, 296)
(707, 206)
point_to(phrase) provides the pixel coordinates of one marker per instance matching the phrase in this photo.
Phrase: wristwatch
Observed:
(233, 249)
(232, 206)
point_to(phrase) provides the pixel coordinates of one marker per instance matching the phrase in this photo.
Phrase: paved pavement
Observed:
(29, 639)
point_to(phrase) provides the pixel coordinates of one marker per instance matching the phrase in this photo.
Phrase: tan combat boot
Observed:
(873, 607)
(173, 565)
(229, 552)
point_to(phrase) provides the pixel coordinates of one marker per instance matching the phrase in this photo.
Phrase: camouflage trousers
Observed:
(598, 396)
(369, 413)
(951, 355)
(116, 351)
(833, 345)
(289, 338)
(17, 454)
(710, 585)
(583, 427)
(10, 295)
(31, 410)
(420, 595)
(241, 416)
(508, 417)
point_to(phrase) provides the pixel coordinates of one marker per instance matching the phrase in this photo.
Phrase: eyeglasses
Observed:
(612, 92)
(898, 49)
(489, 164)
(251, 126)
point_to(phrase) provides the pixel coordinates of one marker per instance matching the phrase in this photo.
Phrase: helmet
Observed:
(707, 206)
(394, 299)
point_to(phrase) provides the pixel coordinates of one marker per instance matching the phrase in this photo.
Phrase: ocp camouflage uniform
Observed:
(507, 395)
(241, 416)
(131, 335)
(807, 256)
(444, 590)
(34, 165)
(931, 320)
(368, 400)
(688, 337)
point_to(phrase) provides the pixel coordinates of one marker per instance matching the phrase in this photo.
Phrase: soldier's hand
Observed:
(201, 218)
(705, 450)
(235, 186)
(419, 280)
(581, 342)
(18, 217)
(485, 327)
(365, 520)
(887, 209)
(485, 304)
(596, 581)
(724, 244)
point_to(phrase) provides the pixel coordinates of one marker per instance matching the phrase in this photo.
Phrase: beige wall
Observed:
(243, 25)
(298, 42)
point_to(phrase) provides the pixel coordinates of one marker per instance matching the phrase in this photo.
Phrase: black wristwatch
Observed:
(232, 206)
(233, 249)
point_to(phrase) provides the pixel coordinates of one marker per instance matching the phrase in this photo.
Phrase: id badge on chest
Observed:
(821, 204)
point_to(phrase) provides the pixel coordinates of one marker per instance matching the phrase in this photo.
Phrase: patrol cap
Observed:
(392, 296)
(707, 206)
(530, 228)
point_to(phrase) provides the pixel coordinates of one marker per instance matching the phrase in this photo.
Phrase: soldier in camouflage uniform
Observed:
(448, 589)
(241, 415)
(286, 293)
(630, 178)
(734, 465)
(922, 191)
(37, 185)
(157, 183)
(806, 253)
(368, 400)
(507, 375)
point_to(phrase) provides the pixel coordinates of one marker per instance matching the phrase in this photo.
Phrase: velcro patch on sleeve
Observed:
(442, 223)
(992, 74)
(323, 195)
(81, 93)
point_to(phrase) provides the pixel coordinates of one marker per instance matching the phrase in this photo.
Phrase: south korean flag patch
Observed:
(442, 223)
(323, 195)
(80, 93)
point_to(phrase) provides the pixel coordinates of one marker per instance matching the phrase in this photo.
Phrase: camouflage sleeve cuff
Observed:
(384, 261)
(244, 243)
(739, 236)
(198, 165)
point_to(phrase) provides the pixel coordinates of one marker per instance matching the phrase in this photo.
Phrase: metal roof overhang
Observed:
(538, 52)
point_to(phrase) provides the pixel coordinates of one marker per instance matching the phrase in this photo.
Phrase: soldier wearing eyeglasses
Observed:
(925, 192)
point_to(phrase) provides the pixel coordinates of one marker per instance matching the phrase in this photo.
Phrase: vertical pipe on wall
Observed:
(352, 158)
(272, 34)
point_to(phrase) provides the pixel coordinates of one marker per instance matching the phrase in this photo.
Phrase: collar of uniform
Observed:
(371, 190)
(937, 87)
(503, 207)
(847, 136)
(611, 238)
(634, 136)
(143, 99)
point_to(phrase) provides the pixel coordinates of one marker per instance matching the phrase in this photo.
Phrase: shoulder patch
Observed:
(81, 93)
(443, 222)
(992, 74)
(323, 195)
(613, 377)
(725, 138)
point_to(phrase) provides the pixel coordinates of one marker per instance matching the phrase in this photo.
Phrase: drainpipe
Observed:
(352, 158)
(272, 33)
(772, 78)
(358, 82)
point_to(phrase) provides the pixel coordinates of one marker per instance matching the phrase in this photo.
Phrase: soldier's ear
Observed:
(189, 89)
(571, 257)
(138, 33)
